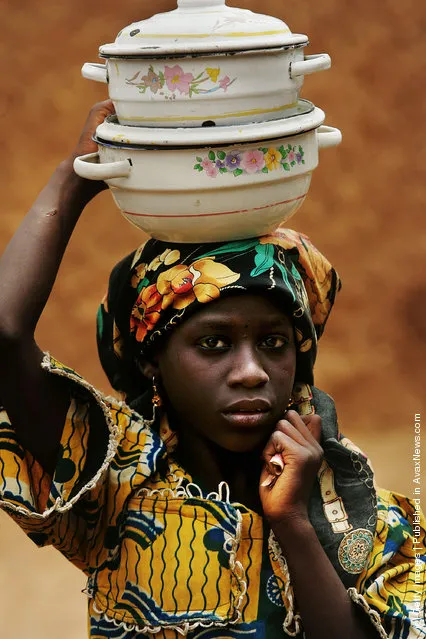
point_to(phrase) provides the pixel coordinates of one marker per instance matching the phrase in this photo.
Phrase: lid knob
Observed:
(194, 4)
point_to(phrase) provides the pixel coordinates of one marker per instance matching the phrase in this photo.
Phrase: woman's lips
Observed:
(247, 413)
(246, 419)
(254, 405)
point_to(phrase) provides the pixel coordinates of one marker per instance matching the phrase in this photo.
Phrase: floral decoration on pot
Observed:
(262, 160)
(173, 79)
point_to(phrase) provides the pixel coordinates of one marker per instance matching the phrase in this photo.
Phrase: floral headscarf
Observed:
(160, 284)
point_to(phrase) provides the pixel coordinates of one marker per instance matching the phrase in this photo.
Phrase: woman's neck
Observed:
(209, 464)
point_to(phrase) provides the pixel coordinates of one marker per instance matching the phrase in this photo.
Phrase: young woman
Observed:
(217, 498)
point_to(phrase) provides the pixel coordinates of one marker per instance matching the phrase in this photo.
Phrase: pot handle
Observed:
(310, 64)
(95, 71)
(88, 166)
(328, 136)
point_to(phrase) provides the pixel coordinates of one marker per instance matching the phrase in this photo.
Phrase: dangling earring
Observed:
(290, 402)
(156, 399)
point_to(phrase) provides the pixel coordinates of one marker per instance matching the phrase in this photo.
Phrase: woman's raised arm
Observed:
(37, 402)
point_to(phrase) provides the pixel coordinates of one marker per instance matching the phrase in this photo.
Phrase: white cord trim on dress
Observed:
(59, 505)
(190, 491)
(373, 614)
(183, 629)
(292, 617)
(236, 567)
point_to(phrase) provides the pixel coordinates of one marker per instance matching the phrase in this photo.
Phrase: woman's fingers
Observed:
(287, 448)
(313, 424)
(86, 144)
(308, 425)
(279, 447)
(294, 438)
(96, 116)
(292, 458)
(305, 430)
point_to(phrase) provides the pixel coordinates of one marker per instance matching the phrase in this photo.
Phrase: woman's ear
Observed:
(148, 368)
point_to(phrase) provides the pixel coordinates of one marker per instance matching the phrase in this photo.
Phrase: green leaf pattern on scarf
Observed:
(263, 259)
(142, 284)
(232, 247)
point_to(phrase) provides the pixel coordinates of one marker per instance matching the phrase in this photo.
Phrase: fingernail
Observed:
(271, 479)
(277, 462)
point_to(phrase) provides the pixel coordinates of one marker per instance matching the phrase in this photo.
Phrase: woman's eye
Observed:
(213, 343)
(274, 341)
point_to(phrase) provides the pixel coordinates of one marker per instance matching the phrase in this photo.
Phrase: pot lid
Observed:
(198, 26)
(305, 117)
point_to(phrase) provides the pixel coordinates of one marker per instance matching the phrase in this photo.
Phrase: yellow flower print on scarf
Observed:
(167, 257)
(181, 285)
(138, 274)
(146, 312)
(303, 345)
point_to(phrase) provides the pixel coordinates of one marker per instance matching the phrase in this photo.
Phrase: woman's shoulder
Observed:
(401, 524)
(134, 443)
(395, 508)
(117, 413)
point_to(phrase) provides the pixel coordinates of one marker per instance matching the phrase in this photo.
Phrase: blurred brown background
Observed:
(365, 211)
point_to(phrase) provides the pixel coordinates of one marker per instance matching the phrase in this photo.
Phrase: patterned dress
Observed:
(163, 559)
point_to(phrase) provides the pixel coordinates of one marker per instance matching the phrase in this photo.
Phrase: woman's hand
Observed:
(326, 611)
(86, 144)
(292, 459)
(97, 115)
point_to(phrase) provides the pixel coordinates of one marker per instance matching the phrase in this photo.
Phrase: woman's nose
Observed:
(247, 369)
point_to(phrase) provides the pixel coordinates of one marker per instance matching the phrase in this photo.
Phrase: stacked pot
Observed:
(210, 140)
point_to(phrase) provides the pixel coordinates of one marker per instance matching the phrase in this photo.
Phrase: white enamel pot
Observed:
(204, 63)
(206, 192)
(201, 90)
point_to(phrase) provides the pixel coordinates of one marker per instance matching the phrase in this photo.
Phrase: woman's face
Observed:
(228, 371)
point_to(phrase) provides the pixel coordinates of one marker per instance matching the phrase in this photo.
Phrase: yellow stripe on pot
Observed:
(208, 117)
(232, 34)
